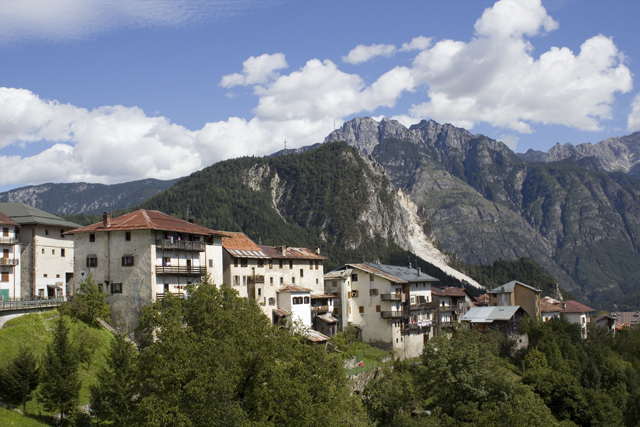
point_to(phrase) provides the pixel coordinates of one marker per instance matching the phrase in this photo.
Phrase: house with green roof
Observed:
(46, 253)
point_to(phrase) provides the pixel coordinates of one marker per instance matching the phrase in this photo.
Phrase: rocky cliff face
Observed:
(572, 214)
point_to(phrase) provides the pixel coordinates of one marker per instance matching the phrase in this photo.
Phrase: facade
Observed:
(452, 304)
(261, 272)
(10, 259)
(574, 312)
(140, 257)
(506, 319)
(46, 252)
(517, 293)
(391, 307)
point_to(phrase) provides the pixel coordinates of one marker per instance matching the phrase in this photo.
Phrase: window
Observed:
(373, 292)
(361, 309)
(270, 264)
(92, 237)
(166, 261)
(46, 232)
(282, 280)
(317, 281)
(306, 300)
(243, 262)
(293, 280)
(43, 250)
(92, 261)
(127, 261)
(317, 263)
(371, 277)
(280, 262)
(5, 232)
(301, 272)
(334, 284)
(116, 288)
(53, 251)
(210, 263)
(377, 309)
(45, 275)
(310, 264)
(260, 263)
(4, 276)
(354, 277)
(62, 253)
(62, 233)
(297, 300)
(259, 292)
(127, 236)
(57, 276)
(244, 280)
(271, 280)
(290, 264)
(235, 262)
(354, 294)
(272, 301)
(236, 280)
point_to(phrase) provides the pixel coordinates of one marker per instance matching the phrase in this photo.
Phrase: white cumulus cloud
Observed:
(256, 70)
(418, 43)
(362, 53)
(633, 120)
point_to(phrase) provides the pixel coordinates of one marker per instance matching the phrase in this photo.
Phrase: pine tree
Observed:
(111, 398)
(21, 378)
(60, 383)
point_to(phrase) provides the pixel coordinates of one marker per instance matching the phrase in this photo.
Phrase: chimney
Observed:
(106, 219)
(419, 271)
(317, 250)
(191, 221)
(564, 306)
(283, 250)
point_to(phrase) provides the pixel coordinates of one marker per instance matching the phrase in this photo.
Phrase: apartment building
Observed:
(392, 307)
(142, 256)
(517, 293)
(46, 253)
(574, 312)
(10, 260)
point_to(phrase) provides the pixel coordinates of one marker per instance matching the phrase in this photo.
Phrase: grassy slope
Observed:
(14, 419)
(35, 330)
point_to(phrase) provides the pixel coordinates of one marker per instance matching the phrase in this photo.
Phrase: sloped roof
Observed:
(144, 219)
(24, 214)
(507, 288)
(327, 317)
(338, 274)
(294, 288)
(550, 305)
(5, 220)
(291, 253)
(315, 336)
(322, 296)
(393, 273)
(448, 292)
(239, 245)
(491, 314)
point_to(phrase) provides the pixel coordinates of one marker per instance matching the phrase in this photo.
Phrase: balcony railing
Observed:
(180, 244)
(9, 261)
(424, 306)
(29, 304)
(390, 297)
(8, 240)
(444, 308)
(160, 295)
(420, 325)
(181, 270)
(319, 308)
(256, 279)
(393, 314)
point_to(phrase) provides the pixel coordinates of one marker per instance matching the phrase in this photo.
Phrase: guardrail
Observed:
(181, 271)
(393, 314)
(34, 304)
(160, 295)
(390, 297)
(180, 244)
(424, 305)
(8, 240)
(9, 261)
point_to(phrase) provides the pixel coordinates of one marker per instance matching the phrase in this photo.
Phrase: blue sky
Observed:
(113, 91)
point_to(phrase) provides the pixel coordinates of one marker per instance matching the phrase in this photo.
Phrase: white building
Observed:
(46, 259)
(140, 257)
(10, 260)
(391, 306)
(574, 311)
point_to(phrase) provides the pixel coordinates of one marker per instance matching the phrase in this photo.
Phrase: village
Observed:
(141, 257)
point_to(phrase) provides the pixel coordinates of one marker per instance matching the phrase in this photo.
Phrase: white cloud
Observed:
(63, 20)
(362, 53)
(418, 43)
(633, 120)
(510, 141)
(494, 79)
(256, 70)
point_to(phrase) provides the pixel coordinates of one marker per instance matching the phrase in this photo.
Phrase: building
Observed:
(506, 319)
(605, 321)
(626, 318)
(574, 312)
(10, 261)
(517, 293)
(46, 253)
(391, 306)
(261, 272)
(452, 303)
(140, 257)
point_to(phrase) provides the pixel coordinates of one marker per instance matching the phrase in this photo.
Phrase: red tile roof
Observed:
(294, 253)
(143, 219)
(448, 292)
(294, 288)
(5, 220)
(550, 305)
(239, 245)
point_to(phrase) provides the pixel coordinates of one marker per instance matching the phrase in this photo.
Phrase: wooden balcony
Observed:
(8, 240)
(318, 308)
(424, 306)
(391, 297)
(447, 308)
(393, 314)
(256, 279)
(9, 261)
(183, 245)
(181, 270)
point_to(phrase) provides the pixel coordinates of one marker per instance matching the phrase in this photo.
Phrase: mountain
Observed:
(484, 203)
(332, 197)
(84, 198)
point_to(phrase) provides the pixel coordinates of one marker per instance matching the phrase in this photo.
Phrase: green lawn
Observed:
(35, 330)
(14, 419)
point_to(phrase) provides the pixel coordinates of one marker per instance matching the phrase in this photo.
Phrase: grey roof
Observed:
(338, 274)
(406, 273)
(490, 314)
(24, 214)
(507, 288)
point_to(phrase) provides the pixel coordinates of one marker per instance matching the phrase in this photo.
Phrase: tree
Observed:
(390, 397)
(20, 378)
(112, 397)
(88, 304)
(59, 382)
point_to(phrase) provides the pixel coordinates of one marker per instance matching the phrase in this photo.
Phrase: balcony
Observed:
(184, 245)
(391, 297)
(8, 240)
(424, 306)
(318, 308)
(393, 314)
(418, 325)
(9, 261)
(160, 295)
(181, 271)
(256, 279)
(447, 308)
